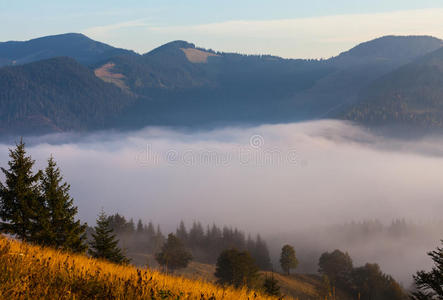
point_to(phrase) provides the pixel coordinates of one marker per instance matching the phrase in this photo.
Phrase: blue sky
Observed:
(314, 28)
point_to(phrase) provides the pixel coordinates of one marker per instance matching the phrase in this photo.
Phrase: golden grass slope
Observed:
(32, 272)
(297, 286)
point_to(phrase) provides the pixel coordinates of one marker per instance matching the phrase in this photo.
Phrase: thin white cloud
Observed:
(315, 37)
(312, 37)
(109, 29)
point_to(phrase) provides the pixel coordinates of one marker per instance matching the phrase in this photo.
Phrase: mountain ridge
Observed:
(387, 47)
(75, 45)
(180, 84)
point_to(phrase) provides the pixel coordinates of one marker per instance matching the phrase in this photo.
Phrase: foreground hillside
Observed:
(31, 272)
(298, 286)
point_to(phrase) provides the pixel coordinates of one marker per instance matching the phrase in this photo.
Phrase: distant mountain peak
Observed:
(49, 37)
(75, 45)
(180, 44)
(66, 35)
(171, 47)
(390, 47)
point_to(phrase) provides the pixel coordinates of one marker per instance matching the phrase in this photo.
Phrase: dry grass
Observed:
(32, 272)
(105, 74)
(304, 287)
(298, 286)
(197, 56)
(195, 270)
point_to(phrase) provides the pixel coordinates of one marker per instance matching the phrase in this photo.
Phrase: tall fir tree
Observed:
(150, 237)
(259, 251)
(150, 230)
(182, 233)
(140, 228)
(60, 229)
(196, 235)
(159, 239)
(104, 243)
(21, 205)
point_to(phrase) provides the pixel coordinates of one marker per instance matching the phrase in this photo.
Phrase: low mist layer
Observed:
(273, 179)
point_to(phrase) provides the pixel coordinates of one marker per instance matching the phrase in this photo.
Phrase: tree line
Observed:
(205, 244)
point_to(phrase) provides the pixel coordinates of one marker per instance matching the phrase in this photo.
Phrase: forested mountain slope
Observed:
(358, 67)
(411, 95)
(57, 94)
(179, 84)
(75, 45)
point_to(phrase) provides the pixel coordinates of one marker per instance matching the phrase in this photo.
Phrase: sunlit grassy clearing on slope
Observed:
(32, 272)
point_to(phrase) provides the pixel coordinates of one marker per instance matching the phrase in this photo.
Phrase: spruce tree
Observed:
(20, 203)
(430, 284)
(140, 228)
(182, 233)
(271, 286)
(140, 242)
(260, 253)
(60, 230)
(159, 239)
(173, 254)
(236, 268)
(150, 230)
(150, 237)
(196, 235)
(104, 243)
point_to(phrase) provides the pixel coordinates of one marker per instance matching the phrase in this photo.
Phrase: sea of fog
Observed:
(279, 180)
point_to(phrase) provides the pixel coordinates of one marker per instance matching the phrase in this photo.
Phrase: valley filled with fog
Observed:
(303, 183)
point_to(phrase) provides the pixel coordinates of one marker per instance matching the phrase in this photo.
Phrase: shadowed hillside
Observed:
(409, 96)
(357, 68)
(58, 94)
